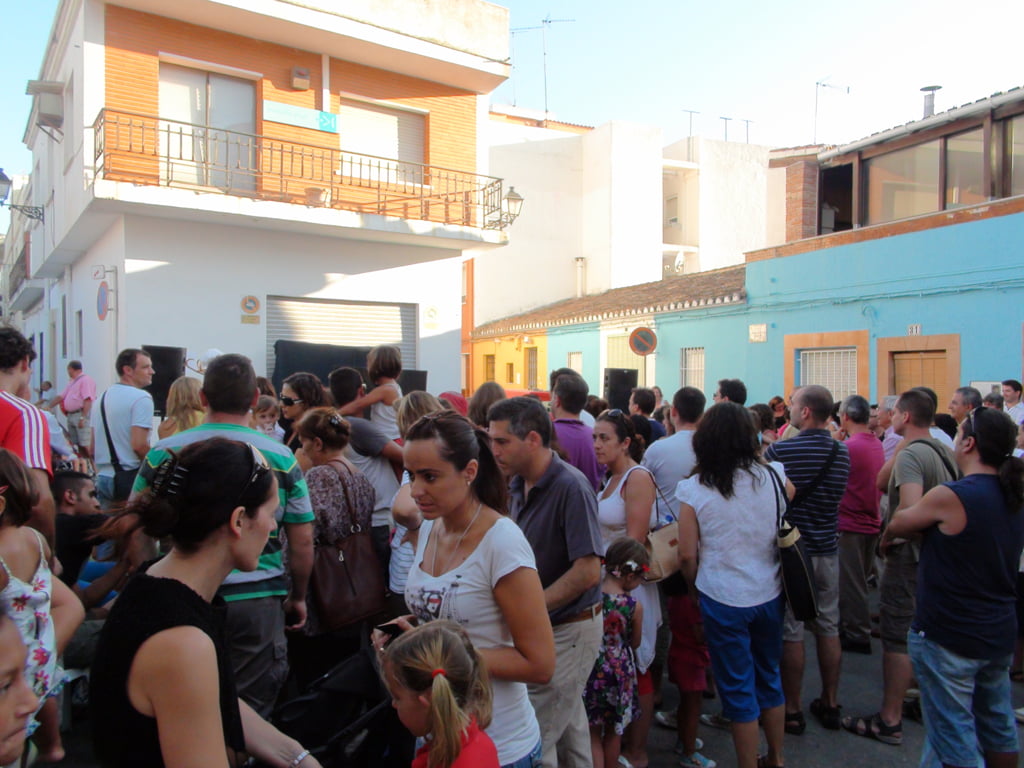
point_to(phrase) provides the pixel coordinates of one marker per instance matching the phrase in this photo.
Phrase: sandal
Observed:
(873, 727)
(827, 716)
(762, 762)
(795, 723)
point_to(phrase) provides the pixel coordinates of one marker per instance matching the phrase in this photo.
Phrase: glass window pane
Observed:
(1015, 154)
(965, 164)
(903, 183)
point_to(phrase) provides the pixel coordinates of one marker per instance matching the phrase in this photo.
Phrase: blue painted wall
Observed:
(578, 338)
(966, 279)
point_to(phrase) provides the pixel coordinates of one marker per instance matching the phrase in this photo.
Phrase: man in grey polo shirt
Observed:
(555, 505)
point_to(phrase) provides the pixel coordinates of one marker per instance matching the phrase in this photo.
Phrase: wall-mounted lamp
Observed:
(300, 78)
(511, 207)
(30, 211)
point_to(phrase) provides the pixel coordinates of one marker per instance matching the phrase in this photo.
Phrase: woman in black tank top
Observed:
(162, 689)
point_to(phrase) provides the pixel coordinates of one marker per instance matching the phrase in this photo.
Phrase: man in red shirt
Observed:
(859, 524)
(76, 402)
(23, 429)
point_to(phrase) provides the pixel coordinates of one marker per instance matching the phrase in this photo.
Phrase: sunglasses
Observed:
(260, 467)
(289, 401)
(613, 413)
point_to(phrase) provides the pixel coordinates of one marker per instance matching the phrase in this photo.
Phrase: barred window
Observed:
(488, 367)
(692, 367)
(834, 368)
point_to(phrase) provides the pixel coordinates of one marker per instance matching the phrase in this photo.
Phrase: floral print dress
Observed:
(28, 604)
(611, 695)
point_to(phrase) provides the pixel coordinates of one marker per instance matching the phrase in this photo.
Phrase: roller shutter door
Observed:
(344, 323)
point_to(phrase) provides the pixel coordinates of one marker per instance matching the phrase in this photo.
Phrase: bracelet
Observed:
(298, 758)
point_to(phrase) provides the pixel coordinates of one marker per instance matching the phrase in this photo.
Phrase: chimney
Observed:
(929, 99)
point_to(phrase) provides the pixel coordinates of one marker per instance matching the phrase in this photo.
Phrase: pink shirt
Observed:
(77, 391)
(858, 509)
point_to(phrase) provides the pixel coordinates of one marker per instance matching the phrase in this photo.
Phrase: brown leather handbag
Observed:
(347, 585)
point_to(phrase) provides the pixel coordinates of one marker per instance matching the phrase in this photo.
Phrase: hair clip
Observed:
(170, 477)
(335, 420)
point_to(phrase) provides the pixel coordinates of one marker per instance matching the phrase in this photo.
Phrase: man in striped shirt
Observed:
(23, 429)
(818, 466)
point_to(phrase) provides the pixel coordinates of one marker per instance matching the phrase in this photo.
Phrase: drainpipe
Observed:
(581, 276)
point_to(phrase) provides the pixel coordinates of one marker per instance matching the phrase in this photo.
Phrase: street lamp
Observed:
(31, 211)
(511, 207)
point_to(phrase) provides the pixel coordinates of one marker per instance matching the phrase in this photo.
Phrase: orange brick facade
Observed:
(135, 40)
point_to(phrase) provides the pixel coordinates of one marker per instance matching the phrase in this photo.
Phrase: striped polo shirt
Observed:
(817, 514)
(268, 580)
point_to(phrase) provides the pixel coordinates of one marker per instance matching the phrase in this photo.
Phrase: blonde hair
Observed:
(438, 657)
(183, 403)
(411, 407)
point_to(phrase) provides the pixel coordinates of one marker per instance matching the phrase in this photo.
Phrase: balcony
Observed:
(23, 293)
(148, 150)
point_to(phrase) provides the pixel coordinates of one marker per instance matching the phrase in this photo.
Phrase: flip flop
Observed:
(795, 724)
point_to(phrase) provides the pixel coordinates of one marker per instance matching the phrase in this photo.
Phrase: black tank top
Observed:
(122, 736)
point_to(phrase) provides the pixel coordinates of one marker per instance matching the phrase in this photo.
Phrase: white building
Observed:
(219, 173)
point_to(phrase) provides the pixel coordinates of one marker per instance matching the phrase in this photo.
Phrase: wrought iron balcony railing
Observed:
(146, 149)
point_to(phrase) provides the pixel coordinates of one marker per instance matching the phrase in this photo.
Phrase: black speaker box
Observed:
(169, 364)
(619, 384)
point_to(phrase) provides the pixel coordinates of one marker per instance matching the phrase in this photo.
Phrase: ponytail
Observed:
(438, 657)
(490, 485)
(1011, 480)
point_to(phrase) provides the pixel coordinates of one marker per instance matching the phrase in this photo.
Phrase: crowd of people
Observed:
(511, 611)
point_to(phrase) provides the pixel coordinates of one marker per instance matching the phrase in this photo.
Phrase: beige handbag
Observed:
(663, 546)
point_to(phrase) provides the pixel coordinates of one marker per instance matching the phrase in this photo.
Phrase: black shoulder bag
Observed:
(124, 479)
(798, 581)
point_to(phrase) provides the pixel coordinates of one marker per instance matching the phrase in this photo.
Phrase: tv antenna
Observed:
(543, 27)
(823, 83)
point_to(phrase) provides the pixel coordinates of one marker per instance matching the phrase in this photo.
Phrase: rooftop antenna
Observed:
(929, 99)
(544, 24)
(748, 122)
(823, 83)
(726, 121)
(692, 113)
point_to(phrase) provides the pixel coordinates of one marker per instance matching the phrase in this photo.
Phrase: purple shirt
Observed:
(576, 439)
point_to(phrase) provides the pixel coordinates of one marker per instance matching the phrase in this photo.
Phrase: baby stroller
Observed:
(346, 719)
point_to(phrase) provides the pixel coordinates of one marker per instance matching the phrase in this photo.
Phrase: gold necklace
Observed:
(437, 545)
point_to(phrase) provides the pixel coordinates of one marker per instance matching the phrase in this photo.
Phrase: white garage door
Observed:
(344, 323)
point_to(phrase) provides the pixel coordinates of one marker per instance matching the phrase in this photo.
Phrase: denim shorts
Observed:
(966, 704)
(531, 760)
(746, 648)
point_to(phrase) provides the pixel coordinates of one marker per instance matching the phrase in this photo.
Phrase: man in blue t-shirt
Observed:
(818, 466)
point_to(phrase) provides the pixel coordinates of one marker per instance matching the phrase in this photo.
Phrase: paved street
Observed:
(816, 748)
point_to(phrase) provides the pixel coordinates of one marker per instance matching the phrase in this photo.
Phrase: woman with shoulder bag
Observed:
(342, 499)
(728, 512)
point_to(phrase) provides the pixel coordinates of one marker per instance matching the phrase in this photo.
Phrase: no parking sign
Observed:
(643, 341)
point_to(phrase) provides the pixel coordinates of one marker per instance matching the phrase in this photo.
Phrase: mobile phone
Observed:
(390, 629)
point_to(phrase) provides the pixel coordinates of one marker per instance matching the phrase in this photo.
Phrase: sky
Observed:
(648, 61)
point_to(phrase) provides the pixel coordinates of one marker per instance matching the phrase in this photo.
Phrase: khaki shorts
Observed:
(826, 576)
(897, 596)
(79, 435)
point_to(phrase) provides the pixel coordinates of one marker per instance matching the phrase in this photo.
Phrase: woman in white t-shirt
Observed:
(728, 514)
(474, 566)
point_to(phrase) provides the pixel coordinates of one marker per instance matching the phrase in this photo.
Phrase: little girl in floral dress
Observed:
(45, 611)
(611, 693)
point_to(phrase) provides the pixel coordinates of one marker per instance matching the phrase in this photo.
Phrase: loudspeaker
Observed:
(169, 364)
(619, 384)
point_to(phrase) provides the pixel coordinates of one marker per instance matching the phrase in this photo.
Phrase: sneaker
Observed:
(697, 760)
(666, 718)
(678, 748)
(717, 720)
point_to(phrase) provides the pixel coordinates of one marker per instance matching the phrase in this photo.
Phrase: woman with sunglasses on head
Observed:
(299, 393)
(625, 507)
(962, 636)
(162, 689)
(474, 565)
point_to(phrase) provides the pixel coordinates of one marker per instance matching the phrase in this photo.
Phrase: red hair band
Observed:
(437, 672)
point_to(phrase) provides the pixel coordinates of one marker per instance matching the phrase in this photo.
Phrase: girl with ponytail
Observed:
(438, 684)
(474, 565)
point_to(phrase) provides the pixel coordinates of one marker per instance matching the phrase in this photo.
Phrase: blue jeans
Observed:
(532, 760)
(746, 648)
(966, 704)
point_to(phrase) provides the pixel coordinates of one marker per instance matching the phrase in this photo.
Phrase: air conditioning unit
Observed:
(49, 102)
